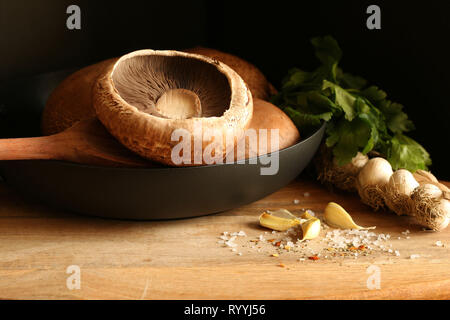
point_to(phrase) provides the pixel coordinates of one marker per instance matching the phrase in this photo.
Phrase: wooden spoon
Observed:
(87, 142)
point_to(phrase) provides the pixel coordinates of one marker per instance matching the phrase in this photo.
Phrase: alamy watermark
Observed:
(73, 282)
(73, 22)
(374, 20)
(374, 280)
(241, 147)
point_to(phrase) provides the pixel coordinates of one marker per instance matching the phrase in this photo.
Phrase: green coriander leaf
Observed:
(405, 153)
(329, 53)
(396, 120)
(349, 81)
(295, 79)
(307, 120)
(343, 99)
(374, 94)
(327, 50)
(347, 138)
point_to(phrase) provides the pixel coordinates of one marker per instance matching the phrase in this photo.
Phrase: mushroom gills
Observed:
(179, 104)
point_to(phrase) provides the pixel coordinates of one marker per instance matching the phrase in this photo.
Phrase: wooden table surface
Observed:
(183, 260)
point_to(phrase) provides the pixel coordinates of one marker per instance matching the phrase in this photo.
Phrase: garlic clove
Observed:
(306, 215)
(337, 217)
(311, 229)
(277, 223)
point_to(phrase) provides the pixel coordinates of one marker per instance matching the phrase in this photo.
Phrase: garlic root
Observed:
(342, 177)
(432, 209)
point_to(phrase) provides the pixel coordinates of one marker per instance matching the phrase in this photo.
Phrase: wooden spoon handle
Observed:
(39, 148)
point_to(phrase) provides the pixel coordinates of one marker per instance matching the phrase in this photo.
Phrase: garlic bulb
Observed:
(432, 209)
(372, 180)
(398, 192)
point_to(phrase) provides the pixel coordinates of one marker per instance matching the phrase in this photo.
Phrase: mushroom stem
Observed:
(179, 104)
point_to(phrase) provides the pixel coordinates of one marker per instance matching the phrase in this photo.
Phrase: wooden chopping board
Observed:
(183, 260)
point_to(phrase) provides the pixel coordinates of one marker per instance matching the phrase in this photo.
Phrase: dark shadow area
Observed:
(407, 57)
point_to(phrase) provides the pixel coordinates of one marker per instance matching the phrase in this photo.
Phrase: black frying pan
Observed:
(129, 193)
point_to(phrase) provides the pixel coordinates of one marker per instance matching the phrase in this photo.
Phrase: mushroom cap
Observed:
(71, 101)
(268, 116)
(260, 87)
(125, 96)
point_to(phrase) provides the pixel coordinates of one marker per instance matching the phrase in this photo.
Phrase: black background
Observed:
(409, 57)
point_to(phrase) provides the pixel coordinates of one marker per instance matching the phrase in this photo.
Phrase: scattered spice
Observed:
(334, 244)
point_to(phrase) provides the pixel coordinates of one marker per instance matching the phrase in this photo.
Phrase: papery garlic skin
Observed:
(277, 223)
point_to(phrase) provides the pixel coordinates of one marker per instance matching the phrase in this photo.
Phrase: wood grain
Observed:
(182, 260)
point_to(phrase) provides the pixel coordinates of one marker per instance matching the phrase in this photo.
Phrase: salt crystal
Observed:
(414, 256)
(234, 250)
(296, 201)
(230, 244)
(439, 244)
(397, 253)
(239, 254)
